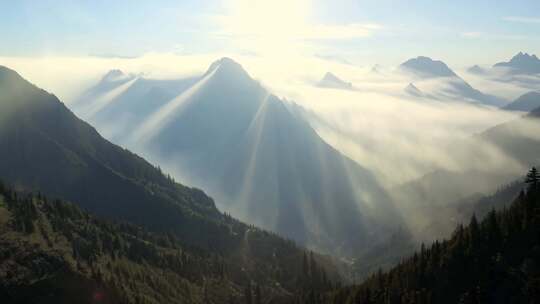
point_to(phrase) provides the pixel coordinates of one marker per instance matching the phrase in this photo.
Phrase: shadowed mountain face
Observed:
(438, 81)
(262, 162)
(44, 147)
(522, 63)
(333, 82)
(526, 102)
(123, 101)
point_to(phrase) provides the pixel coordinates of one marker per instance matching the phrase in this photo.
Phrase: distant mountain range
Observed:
(443, 83)
(227, 134)
(124, 100)
(522, 63)
(522, 69)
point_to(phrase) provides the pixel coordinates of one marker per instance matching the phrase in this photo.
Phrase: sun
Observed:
(265, 24)
(277, 18)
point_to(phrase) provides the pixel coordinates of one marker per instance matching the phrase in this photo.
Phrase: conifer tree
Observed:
(532, 178)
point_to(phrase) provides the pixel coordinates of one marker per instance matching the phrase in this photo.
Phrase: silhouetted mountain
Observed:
(476, 69)
(427, 67)
(522, 63)
(495, 260)
(43, 146)
(332, 81)
(229, 135)
(125, 100)
(53, 252)
(526, 102)
(445, 83)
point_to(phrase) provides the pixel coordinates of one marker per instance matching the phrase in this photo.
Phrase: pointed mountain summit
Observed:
(115, 78)
(114, 75)
(522, 63)
(476, 69)
(263, 163)
(426, 67)
(332, 81)
(228, 66)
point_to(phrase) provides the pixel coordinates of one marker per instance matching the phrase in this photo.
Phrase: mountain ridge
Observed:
(453, 86)
(233, 117)
(527, 102)
(522, 63)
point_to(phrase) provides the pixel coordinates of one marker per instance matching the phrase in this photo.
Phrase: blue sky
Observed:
(384, 31)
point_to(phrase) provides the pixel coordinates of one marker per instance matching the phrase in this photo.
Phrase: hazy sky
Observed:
(460, 32)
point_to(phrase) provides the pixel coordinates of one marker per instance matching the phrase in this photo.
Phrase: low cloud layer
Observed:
(397, 136)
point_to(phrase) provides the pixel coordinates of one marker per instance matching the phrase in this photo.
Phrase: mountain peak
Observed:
(427, 67)
(332, 81)
(476, 69)
(524, 57)
(522, 62)
(226, 65)
(115, 75)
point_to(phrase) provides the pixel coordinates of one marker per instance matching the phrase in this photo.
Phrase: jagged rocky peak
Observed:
(522, 63)
(524, 57)
(427, 67)
(114, 74)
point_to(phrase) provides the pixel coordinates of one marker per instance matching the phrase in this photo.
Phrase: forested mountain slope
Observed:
(45, 148)
(496, 260)
(53, 252)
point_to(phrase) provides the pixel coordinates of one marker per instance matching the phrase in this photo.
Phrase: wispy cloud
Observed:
(493, 36)
(522, 19)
